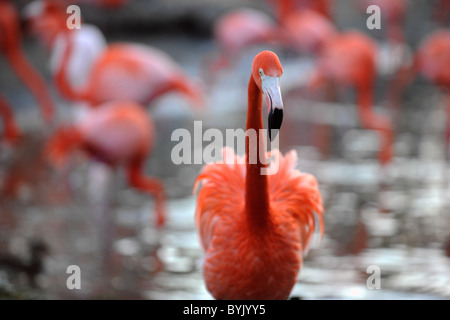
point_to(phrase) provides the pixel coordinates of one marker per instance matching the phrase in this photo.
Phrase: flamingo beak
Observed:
(271, 89)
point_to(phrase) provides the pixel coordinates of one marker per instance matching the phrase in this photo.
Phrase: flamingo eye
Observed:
(261, 72)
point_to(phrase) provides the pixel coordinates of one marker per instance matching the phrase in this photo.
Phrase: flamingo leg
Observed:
(34, 82)
(372, 121)
(447, 128)
(137, 179)
(100, 180)
(11, 130)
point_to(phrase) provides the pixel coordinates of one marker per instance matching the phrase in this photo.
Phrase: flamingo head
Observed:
(266, 72)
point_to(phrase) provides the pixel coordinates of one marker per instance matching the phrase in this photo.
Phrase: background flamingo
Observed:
(121, 71)
(306, 31)
(284, 8)
(10, 46)
(349, 60)
(394, 59)
(118, 134)
(47, 20)
(432, 61)
(291, 20)
(238, 30)
(253, 227)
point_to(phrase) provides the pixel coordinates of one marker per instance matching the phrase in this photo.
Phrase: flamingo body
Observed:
(432, 61)
(433, 56)
(242, 28)
(137, 73)
(87, 69)
(307, 30)
(239, 264)
(117, 134)
(349, 59)
(238, 30)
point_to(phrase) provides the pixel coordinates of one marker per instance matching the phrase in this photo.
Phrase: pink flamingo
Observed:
(122, 71)
(432, 61)
(255, 228)
(240, 29)
(10, 46)
(349, 59)
(117, 134)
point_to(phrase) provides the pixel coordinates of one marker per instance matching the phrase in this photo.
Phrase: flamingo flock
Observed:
(255, 220)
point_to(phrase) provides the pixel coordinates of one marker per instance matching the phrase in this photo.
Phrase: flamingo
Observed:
(245, 27)
(255, 228)
(349, 59)
(121, 71)
(120, 133)
(10, 39)
(237, 30)
(395, 55)
(306, 31)
(432, 60)
(47, 21)
(285, 7)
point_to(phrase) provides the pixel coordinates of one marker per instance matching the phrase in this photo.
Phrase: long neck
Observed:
(25, 71)
(60, 76)
(256, 184)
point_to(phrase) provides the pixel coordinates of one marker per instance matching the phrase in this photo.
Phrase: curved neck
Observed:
(60, 76)
(256, 184)
(24, 70)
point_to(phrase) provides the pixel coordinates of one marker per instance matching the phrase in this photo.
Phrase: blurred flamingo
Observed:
(119, 71)
(306, 31)
(255, 228)
(47, 20)
(349, 59)
(10, 46)
(395, 56)
(242, 28)
(432, 61)
(238, 30)
(284, 8)
(116, 134)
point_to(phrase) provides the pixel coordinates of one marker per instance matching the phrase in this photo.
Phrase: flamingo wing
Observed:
(221, 197)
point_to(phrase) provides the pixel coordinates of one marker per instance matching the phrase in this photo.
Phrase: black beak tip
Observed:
(274, 121)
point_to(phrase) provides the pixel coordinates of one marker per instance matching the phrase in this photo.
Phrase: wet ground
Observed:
(394, 217)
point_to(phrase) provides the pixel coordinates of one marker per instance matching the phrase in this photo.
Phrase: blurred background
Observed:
(392, 213)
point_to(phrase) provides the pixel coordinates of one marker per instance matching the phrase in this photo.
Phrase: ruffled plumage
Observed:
(222, 193)
(232, 255)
